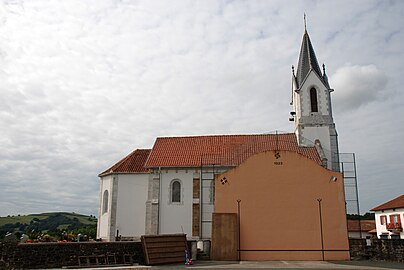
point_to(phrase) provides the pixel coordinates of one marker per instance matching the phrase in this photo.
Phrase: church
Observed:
(286, 190)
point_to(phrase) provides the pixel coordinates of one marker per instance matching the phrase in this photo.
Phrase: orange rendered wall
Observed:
(279, 210)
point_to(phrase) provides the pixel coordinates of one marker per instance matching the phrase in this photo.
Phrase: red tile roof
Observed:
(394, 203)
(366, 225)
(224, 150)
(132, 163)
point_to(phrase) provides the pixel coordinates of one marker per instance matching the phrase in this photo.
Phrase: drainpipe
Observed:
(200, 201)
(158, 205)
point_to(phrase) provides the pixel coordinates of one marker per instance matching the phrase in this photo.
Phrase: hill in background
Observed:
(52, 224)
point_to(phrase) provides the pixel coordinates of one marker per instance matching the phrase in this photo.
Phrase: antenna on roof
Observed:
(304, 18)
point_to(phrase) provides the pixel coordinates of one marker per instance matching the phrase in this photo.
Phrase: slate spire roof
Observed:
(307, 60)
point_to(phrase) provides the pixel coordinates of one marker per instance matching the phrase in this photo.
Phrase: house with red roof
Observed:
(178, 184)
(388, 217)
(361, 228)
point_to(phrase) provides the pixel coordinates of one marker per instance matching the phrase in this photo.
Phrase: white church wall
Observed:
(104, 217)
(131, 204)
(176, 217)
(297, 105)
(322, 96)
(321, 133)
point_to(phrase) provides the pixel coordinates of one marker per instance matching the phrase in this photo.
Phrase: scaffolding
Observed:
(348, 170)
(207, 181)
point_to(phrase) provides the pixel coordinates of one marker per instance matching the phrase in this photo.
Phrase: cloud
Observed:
(357, 86)
(83, 83)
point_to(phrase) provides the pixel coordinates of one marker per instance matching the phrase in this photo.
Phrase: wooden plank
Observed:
(195, 219)
(167, 249)
(165, 239)
(225, 236)
(151, 236)
(165, 244)
(166, 260)
(160, 249)
(144, 245)
(167, 255)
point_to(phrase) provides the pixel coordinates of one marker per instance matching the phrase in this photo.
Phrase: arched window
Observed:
(105, 202)
(176, 191)
(313, 100)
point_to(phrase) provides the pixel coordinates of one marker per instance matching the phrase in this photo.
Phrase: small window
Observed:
(105, 202)
(383, 220)
(395, 236)
(313, 100)
(395, 218)
(176, 191)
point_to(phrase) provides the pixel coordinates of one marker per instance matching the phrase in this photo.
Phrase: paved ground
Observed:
(354, 265)
(308, 265)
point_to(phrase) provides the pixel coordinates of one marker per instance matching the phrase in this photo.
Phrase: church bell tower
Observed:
(312, 110)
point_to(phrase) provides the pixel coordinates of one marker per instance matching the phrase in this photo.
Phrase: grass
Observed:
(26, 219)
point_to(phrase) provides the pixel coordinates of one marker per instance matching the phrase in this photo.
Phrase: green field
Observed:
(48, 223)
(28, 218)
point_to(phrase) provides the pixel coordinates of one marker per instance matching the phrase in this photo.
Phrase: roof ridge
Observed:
(226, 135)
(221, 149)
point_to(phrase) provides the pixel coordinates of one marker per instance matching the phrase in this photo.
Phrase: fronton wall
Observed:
(280, 209)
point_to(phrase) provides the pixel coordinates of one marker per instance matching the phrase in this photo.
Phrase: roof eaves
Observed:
(305, 78)
(116, 173)
(118, 164)
(396, 203)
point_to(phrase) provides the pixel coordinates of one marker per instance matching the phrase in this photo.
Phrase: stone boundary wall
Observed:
(57, 255)
(378, 250)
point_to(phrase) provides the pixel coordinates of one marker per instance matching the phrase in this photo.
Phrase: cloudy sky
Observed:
(85, 82)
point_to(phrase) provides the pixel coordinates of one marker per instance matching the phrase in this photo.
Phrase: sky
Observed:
(85, 82)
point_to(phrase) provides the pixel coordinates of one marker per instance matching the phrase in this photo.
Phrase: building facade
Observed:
(289, 206)
(172, 187)
(388, 217)
(361, 229)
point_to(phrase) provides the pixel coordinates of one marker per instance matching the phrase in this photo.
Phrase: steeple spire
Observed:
(312, 110)
(307, 59)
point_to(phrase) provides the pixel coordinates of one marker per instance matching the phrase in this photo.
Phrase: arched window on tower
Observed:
(105, 202)
(176, 191)
(313, 100)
